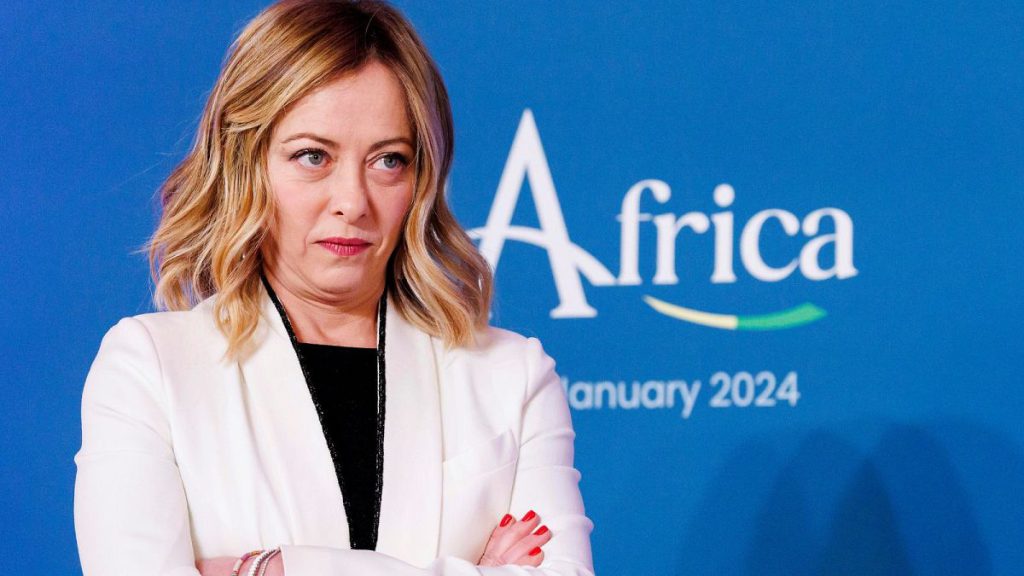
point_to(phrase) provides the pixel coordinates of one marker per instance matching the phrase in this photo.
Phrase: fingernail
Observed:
(541, 530)
(535, 551)
(529, 515)
(506, 519)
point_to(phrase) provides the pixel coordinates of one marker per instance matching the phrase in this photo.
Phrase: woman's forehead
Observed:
(368, 104)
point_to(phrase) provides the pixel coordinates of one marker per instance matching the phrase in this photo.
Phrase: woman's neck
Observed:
(339, 323)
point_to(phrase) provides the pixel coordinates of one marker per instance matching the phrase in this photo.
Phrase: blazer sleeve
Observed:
(131, 516)
(546, 481)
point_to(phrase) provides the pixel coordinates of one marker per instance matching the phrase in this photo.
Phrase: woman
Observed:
(335, 400)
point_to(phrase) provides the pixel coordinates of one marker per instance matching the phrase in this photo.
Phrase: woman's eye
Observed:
(392, 161)
(311, 158)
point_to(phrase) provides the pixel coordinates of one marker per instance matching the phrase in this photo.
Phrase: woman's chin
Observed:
(349, 288)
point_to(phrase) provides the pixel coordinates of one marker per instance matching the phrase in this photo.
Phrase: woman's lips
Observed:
(344, 246)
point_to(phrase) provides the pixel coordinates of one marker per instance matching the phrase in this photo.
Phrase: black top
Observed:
(343, 383)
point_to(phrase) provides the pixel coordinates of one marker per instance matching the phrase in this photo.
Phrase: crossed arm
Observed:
(131, 515)
(511, 542)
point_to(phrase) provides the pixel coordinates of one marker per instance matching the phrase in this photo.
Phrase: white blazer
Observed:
(185, 455)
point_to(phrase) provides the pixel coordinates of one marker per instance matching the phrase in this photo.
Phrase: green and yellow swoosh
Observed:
(789, 318)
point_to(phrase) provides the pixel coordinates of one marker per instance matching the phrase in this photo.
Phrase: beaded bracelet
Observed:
(238, 563)
(266, 561)
(260, 560)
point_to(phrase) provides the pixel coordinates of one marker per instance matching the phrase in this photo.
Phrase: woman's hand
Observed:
(220, 566)
(515, 542)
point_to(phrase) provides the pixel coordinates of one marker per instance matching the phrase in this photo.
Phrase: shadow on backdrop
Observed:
(893, 500)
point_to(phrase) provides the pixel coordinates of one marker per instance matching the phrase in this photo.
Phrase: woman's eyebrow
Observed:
(390, 141)
(325, 141)
(332, 144)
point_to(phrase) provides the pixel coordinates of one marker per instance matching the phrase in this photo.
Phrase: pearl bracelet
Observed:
(260, 560)
(266, 561)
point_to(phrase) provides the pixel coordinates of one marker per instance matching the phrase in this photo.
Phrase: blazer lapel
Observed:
(300, 461)
(410, 514)
(297, 460)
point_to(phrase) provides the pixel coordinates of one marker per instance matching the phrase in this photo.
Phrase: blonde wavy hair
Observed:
(218, 204)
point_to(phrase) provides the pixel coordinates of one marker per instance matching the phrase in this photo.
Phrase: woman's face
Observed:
(339, 164)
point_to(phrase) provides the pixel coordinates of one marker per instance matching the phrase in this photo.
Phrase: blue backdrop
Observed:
(774, 248)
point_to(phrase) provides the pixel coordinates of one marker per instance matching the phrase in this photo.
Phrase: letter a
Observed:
(526, 159)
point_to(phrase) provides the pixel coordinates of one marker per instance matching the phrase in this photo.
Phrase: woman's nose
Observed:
(349, 195)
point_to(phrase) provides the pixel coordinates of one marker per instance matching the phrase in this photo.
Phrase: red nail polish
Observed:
(535, 551)
(506, 519)
(541, 530)
(529, 516)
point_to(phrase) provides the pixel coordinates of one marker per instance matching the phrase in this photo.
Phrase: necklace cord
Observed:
(381, 401)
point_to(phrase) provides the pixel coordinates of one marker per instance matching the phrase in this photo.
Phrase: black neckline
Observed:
(352, 349)
(381, 399)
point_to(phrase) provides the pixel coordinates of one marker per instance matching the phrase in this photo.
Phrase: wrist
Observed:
(275, 567)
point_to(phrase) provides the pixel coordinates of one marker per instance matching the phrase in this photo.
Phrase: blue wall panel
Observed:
(903, 452)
